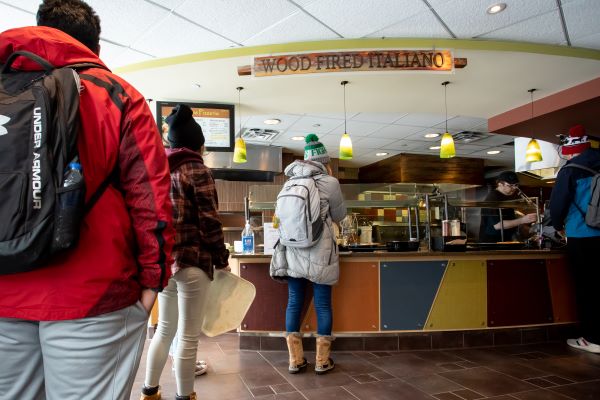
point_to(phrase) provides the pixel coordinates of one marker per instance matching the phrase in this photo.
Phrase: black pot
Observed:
(398, 245)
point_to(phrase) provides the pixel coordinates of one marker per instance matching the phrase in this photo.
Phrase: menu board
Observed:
(216, 121)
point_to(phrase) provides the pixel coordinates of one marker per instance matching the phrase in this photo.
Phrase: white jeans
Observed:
(180, 307)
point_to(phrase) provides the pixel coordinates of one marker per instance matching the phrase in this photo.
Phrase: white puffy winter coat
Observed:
(319, 263)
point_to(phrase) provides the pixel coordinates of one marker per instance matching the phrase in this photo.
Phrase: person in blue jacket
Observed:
(568, 202)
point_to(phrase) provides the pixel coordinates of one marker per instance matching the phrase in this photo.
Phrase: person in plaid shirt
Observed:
(199, 248)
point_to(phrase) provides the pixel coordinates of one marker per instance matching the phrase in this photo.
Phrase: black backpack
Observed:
(39, 123)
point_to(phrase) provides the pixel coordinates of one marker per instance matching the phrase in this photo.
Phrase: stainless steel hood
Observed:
(545, 169)
(264, 162)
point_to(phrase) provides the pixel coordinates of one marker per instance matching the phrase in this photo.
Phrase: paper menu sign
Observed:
(271, 236)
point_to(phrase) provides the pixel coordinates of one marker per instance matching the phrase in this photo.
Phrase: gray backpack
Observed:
(299, 212)
(592, 214)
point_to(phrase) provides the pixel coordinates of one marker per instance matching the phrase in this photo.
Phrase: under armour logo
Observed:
(3, 120)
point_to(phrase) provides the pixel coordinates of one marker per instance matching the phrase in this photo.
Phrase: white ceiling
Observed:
(387, 111)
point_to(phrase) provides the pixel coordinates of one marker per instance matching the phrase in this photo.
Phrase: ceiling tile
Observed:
(395, 132)
(159, 40)
(28, 5)
(424, 120)
(383, 118)
(496, 140)
(170, 4)
(424, 24)
(582, 18)
(116, 56)
(461, 123)
(11, 18)
(238, 20)
(357, 18)
(372, 143)
(126, 21)
(591, 42)
(257, 121)
(356, 128)
(468, 18)
(298, 27)
(408, 145)
(540, 29)
(316, 124)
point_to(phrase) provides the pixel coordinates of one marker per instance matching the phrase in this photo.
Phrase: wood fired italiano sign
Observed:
(389, 60)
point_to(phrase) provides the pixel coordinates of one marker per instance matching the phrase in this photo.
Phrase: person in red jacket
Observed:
(76, 327)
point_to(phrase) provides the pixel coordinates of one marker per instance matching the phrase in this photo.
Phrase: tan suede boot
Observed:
(191, 396)
(297, 360)
(324, 362)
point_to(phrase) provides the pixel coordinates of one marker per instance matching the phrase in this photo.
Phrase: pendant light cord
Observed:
(531, 92)
(239, 89)
(446, 101)
(344, 83)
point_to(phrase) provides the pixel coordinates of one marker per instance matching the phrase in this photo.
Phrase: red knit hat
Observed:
(576, 142)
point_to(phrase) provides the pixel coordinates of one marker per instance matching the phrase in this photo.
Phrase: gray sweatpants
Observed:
(92, 358)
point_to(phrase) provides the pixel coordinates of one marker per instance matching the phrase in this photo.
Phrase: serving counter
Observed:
(421, 300)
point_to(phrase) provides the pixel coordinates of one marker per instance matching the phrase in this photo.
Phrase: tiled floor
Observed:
(549, 371)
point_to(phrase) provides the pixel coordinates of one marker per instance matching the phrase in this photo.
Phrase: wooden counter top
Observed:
(487, 254)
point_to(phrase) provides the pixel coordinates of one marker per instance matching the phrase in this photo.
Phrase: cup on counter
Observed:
(237, 246)
(451, 227)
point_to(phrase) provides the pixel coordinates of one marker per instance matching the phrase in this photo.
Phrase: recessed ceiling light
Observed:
(492, 152)
(432, 135)
(496, 8)
(272, 121)
(297, 137)
(381, 154)
(316, 125)
(435, 147)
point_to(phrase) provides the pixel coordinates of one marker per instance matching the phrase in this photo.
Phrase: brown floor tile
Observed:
(580, 391)
(261, 391)
(451, 367)
(540, 382)
(432, 384)
(337, 393)
(382, 376)
(516, 369)
(447, 396)
(261, 376)
(487, 382)
(557, 380)
(467, 394)
(539, 394)
(405, 365)
(364, 378)
(283, 388)
(392, 389)
(567, 367)
(246, 374)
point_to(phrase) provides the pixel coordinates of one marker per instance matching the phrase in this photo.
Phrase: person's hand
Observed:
(528, 219)
(147, 299)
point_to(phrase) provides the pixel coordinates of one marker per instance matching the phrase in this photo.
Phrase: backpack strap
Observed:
(33, 57)
(111, 178)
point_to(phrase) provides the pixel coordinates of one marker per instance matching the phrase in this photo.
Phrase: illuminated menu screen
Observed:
(216, 121)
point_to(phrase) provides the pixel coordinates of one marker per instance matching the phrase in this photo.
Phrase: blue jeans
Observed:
(322, 299)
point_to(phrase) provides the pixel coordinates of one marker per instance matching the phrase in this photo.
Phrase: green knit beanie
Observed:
(314, 150)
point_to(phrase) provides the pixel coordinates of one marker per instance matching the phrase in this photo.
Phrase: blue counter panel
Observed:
(408, 289)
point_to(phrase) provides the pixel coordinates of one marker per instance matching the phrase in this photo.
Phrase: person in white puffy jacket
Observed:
(317, 265)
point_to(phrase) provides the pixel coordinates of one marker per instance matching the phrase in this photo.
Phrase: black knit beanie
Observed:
(184, 131)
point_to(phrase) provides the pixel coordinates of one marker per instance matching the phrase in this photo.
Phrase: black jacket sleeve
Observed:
(561, 198)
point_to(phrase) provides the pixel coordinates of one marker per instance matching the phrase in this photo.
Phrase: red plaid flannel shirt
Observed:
(199, 233)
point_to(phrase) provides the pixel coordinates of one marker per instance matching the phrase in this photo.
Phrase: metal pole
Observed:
(428, 227)
(501, 225)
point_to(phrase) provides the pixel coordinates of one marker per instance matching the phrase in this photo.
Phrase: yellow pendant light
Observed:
(533, 152)
(447, 149)
(345, 142)
(239, 151)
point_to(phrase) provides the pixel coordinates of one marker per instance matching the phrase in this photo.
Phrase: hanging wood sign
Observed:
(387, 60)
